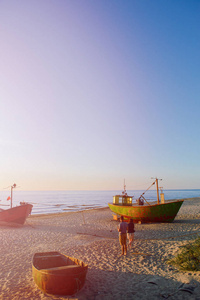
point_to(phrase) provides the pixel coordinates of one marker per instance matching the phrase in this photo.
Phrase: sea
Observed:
(49, 202)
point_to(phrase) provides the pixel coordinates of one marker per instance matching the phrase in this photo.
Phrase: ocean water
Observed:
(47, 202)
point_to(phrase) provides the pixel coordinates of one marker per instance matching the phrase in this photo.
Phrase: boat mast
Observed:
(124, 188)
(12, 187)
(157, 188)
(124, 191)
(158, 200)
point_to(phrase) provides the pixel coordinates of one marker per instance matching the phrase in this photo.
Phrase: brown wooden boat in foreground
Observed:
(58, 274)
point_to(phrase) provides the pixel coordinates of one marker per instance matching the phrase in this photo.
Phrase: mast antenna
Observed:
(124, 191)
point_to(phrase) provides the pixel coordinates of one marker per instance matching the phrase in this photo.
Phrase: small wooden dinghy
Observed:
(58, 274)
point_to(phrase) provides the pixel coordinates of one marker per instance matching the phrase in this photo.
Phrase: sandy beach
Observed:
(92, 236)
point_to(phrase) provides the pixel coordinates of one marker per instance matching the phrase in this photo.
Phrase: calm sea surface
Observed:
(65, 201)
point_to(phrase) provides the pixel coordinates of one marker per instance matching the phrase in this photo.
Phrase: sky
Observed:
(95, 92)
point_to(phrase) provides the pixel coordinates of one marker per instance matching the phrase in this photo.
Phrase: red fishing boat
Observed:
(143, 211)
(17, 214)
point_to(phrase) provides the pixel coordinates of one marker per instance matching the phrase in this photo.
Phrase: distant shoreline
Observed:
(60, 202)
(98, 208)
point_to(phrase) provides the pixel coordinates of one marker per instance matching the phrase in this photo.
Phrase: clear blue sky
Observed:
(92, 92)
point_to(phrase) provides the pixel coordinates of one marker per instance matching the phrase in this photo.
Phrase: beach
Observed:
(92, 237)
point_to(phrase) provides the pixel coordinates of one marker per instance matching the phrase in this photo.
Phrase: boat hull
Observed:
(165, 212)
(55, 276)
(16, 214)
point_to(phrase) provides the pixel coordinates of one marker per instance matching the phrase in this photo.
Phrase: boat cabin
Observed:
(122, 200)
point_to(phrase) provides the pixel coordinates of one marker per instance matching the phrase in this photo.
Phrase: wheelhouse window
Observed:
(122, 200)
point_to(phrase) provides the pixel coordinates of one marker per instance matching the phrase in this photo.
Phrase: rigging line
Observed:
(141, 196)
(140, 185)
(148, 188)
(95, 235)
(17, 186)
(7, 187)
(144, 199)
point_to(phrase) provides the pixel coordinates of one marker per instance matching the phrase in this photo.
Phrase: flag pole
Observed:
(12, 187)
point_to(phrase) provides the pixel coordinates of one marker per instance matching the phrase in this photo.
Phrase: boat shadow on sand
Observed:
(117, 284)
(102, 284)
(187, 221)
(10, 225)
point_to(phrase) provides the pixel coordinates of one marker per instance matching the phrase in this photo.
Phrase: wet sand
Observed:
(92, 236)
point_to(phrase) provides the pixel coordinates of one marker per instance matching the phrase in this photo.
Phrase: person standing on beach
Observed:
(130, 234)
(122, 235)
